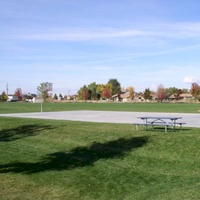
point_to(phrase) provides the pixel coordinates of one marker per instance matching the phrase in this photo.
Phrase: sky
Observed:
(72, 43)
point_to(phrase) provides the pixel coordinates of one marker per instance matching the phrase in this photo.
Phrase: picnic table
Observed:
(160, 121)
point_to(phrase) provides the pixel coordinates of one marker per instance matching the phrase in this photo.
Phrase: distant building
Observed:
(12, 98)
(37, 100)
(184, 97)
(123, 96)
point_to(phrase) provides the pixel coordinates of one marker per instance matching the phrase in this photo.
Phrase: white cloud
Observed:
(191, 79)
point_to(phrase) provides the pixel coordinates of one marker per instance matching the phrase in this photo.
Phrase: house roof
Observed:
(183, 95)
(126, 95)
(186, 95)
(122, 95)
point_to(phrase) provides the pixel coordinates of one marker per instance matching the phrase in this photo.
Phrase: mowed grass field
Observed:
(129, 107)
(52, 159)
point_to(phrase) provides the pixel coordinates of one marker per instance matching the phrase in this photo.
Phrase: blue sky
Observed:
(72, 43)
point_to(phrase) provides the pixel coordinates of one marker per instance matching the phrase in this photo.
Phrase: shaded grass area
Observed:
(18, 107)
(47, 159)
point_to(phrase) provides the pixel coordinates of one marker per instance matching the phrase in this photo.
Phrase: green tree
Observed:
(80, 94)
(43, 90)
(116, 86)
(55, 97)
(60, 96)
(3, 96)
(147, 94)
(185, 90)
(170, 91)
(92, 91)
(99, 90)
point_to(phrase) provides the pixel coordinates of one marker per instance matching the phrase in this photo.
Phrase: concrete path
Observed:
(192, 120)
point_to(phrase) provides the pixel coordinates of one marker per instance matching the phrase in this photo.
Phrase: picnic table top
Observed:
(160, 117)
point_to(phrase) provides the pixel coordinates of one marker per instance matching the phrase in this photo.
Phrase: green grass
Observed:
(47, 159)
(131, 107)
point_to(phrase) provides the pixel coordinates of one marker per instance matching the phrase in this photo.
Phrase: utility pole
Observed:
(7, 89)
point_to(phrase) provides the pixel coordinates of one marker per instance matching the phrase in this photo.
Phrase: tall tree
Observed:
(55, 97)
(3, 96)
(80, 94)
(18, 93)
(61, 96)
(92, 91)
(195, 91)
(116, 86)
(110, 87)
(147, 94)
(43, 90)
(131, 91)
(99, 90)
(85, 93)
(161, 93)
(106, 93)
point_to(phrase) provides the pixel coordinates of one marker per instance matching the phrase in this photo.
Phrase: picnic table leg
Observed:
(145, 124)
(174, 125)
(144, 127)
(165, 128)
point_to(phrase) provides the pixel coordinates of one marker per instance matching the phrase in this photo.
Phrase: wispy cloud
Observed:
(174, 30)
(77, 35)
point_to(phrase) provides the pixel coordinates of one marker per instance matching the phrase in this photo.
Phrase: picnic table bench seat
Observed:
(154, 124)
(179, 123)
(151, 124)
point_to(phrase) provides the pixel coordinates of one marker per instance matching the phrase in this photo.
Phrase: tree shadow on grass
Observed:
(77, 157)
(9, 135)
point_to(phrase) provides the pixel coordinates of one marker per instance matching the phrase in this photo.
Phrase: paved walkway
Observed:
(192, 120)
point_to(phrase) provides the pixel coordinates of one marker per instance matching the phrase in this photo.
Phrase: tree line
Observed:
(164, 93)
(95, 91)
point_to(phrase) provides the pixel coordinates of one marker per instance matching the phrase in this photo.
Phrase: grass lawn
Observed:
(47, 159)
(9, 107)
